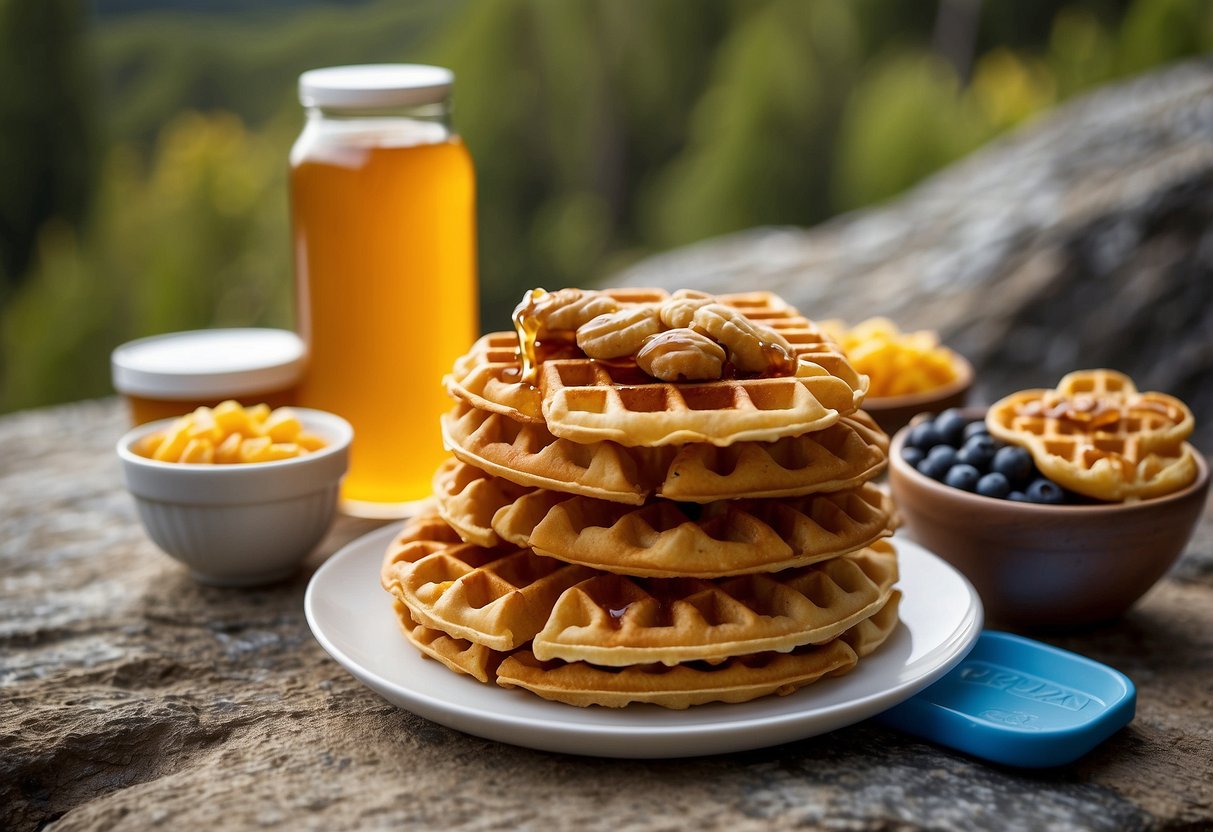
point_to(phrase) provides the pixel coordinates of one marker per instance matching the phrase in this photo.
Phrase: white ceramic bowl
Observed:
(242, 524)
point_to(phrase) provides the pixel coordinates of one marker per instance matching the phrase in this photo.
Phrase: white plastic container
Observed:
(171, 374)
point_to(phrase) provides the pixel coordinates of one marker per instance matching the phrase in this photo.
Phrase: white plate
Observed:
(351, 616)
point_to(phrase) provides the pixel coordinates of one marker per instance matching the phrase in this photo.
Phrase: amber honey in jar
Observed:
(169, 375)
(382, 197)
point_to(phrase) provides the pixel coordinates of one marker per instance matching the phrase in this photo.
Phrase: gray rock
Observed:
(131, 697)
(1083, 240)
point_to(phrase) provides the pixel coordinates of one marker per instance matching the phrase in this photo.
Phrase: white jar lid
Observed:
(209, 363)
(371, 86)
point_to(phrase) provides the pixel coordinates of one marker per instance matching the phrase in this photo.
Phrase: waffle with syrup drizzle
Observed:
(587, 400)
(504, 596)
(1098, 436)
(737, 679)
(614, 620)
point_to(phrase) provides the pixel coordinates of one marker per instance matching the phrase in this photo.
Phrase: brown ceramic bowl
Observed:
(893, 413)
(1048, 567)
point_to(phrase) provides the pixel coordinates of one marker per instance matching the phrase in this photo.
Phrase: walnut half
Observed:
(567, 309)
(678, 310)
(617, 334)
(681, 355)
(753, 348)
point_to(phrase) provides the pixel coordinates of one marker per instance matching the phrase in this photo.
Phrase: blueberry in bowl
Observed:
(958, 451)
(1041, 556)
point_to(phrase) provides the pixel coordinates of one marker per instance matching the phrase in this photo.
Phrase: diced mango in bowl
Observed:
(897, 363)
(230, 433)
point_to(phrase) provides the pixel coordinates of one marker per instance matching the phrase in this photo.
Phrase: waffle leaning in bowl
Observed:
(652, 497)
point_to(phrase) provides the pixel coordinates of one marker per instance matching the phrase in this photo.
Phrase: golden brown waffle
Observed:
(590, 401)
(470, 497)
(846, 454)
(480, 662)
(502, 597)
(612, 620)
(1098, 436)
(498, 597)
(490, 374)
(460, 655)
(872, 632)
(739, 679)
(668, 539)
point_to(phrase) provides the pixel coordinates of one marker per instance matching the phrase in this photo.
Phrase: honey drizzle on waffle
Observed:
(526, 324)
(1087, 411)
(780, 362)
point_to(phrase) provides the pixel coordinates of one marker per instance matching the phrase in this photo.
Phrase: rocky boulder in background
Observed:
(1083, 240)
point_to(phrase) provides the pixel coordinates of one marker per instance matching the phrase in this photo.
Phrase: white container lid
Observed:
(371, 86)
(209, 363)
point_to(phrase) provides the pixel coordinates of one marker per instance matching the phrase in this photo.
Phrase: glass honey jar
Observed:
(383, 210)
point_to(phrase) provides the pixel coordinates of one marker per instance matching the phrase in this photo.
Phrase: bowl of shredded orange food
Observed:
(908, 372)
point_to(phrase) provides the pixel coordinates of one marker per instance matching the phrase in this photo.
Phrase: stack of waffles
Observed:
(652, 498)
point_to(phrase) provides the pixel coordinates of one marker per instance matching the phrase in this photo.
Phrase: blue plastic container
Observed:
(1020, 702)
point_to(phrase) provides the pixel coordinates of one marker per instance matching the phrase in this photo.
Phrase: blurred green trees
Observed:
(46, 147)
(602, 131)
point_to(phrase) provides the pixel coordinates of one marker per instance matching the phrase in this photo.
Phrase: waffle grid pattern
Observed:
(667, 539)
(610, 620)
(1097, 435)
(846, 454)
(586, 400)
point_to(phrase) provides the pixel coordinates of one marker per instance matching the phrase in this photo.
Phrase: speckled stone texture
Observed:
(1083, 240)
(131, 697)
